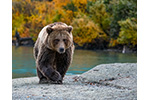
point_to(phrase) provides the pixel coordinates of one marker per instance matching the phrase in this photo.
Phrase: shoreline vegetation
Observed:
(106, 81)
(104, 24)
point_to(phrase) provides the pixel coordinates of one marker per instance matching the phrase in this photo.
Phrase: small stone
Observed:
(95, 70)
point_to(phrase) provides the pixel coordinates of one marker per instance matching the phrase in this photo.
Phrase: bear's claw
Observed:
(55, 82)
(43, 81)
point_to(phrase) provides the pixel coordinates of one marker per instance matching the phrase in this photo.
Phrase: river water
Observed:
(23, 63)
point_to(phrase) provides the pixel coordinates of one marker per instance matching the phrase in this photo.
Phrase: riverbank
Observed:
(117, 49)
(116, 81)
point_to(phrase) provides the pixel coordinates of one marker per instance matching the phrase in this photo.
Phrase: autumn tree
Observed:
(111, 21)
(85, 30)
(30, 16)
(81, 5)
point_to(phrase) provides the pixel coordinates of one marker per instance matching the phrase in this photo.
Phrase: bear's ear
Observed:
(49, 30)
(69, 28)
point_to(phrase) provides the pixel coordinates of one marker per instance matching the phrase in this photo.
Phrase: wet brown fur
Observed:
(50, 63)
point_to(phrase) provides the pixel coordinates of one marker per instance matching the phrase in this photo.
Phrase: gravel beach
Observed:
(116, 81)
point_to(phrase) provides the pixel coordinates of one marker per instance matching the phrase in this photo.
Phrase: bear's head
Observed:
(59, 38)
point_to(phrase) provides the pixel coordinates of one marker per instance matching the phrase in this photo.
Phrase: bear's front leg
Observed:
(45, 80)
(42, 78)
(45, 64)
(50, 74)
(63, 61)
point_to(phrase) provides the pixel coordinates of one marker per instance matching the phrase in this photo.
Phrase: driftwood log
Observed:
(23, 41)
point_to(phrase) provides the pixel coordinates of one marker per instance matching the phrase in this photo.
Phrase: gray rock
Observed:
(110, 72)
(104, 82)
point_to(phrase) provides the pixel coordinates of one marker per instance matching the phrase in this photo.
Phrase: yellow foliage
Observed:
(67, 17)
(113, 42)
(60, 3)
(18, 22)
(80, 4)
(85, 30)
(89, 18)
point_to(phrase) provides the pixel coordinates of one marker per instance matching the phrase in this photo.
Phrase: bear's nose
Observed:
(61, 50)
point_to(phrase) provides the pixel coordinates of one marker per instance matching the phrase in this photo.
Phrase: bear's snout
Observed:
(61, 50)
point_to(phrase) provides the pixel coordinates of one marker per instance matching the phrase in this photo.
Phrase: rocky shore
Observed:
(116, 81)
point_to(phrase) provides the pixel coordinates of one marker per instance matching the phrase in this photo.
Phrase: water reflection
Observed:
(23, 63)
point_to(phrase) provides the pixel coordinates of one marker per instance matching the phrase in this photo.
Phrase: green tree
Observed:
(70, 6)
(128, 33)
(100, 16)
(120, 10)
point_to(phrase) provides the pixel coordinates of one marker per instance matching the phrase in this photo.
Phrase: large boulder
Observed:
(104, 82)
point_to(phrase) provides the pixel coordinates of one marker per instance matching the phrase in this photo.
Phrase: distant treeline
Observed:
(97, 24)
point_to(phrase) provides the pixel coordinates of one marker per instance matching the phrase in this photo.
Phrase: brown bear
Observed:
(53, 52)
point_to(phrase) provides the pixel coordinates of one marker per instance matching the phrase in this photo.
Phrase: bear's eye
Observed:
(56, 41)
(65, 40)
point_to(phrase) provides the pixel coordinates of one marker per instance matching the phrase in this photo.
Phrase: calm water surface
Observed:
(23, 63)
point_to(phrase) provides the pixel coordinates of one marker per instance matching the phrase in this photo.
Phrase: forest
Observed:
(97, 24)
